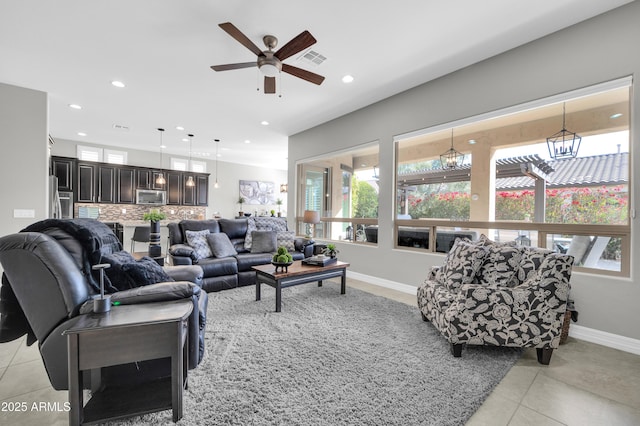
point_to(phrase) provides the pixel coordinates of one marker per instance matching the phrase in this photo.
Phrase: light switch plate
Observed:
(26, 213)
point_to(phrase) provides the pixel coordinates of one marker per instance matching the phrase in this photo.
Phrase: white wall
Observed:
(598, 50)
(223, 199)
(24, 165)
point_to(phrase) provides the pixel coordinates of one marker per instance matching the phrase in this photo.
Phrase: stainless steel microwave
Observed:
(151, 197)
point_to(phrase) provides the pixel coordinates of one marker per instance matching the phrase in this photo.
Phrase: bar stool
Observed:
(140, 235)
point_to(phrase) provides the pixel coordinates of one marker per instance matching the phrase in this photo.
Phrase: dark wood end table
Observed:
(126, 334)
(297, 274)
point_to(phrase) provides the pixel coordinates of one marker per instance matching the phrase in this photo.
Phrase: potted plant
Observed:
(330, 250)
(279, 204)
(273, 213)
(241, 201)
(154, 217)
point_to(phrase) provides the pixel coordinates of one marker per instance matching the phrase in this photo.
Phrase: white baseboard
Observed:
(592, 335)
(603, 338)
(404, 288)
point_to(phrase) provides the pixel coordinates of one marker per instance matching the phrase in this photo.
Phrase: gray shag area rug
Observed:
(330, 359)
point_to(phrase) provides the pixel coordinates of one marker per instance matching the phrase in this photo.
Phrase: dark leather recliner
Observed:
(44, 276)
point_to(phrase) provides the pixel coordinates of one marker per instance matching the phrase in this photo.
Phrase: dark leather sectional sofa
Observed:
(226, 272)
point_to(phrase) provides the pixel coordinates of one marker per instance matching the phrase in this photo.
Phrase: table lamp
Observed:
(311, 217)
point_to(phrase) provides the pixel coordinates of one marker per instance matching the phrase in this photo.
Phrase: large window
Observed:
(343, 189)
(517, 188)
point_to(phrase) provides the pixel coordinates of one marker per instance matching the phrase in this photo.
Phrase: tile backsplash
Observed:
(129, 212)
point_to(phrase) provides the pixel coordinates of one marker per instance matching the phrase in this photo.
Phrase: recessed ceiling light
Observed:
(82, 134)
(247, 141)
(347, 79)
(75, 106)
(185, 140)
(117, 83)
(472, 141)
(163, 146)
(264, 123)
(179, 128)
(616, 115)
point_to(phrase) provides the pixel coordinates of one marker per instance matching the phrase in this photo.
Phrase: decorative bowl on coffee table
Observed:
(284, 266)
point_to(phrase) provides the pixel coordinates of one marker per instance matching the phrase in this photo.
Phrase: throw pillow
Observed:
(263, 242)
(461, 264)
(248, 238)
(286, 239)
(529, 264)
(500, 265)
(221, 245)
(262, 224)
(198, 240)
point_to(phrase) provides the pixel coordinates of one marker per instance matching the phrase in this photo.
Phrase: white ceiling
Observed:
(162, 51)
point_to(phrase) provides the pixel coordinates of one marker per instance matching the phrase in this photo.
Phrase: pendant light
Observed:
(216, 185)
(160, 180)
(452, 158)
(190, 182)
(563, 144)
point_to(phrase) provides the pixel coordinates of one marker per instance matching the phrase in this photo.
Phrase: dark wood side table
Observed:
(297, 274)
(126, 334)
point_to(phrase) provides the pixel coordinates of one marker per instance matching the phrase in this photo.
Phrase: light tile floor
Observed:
(585, 384)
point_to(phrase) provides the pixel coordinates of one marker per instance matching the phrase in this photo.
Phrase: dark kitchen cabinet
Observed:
(202, 190)
(62, 168)
(126, 193)
(174, 187)
(188, 192)
(197, 195)
(146, 179)
(86, 183)
(116, 184)
(106, 184)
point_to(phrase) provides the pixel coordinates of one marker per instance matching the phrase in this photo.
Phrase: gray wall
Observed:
(598, 50)
(221, 200)
(24, 165)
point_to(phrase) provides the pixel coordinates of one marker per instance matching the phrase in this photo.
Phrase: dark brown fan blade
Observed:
(243, 39)
(228, 67)
(269, 84)
(297, 44)
(303, 74)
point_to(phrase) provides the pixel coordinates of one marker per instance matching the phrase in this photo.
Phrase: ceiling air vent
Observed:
(312, 57)
(120, 127)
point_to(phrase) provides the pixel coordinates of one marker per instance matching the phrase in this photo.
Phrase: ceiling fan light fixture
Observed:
(269, 65)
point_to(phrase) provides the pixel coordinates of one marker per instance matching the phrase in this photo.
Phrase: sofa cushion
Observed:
(247, 260)
(199, 225)
(221, 245)
(198, 240)
(461, 264)
(218, 267)
(263, 242)
(286, 239)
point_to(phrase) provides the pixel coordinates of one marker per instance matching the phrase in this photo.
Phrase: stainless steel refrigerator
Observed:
(60, 202)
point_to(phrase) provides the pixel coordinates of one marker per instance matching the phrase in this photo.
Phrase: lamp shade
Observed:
(311, 216)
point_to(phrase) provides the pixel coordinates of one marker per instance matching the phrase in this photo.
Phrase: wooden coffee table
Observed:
(297, 274)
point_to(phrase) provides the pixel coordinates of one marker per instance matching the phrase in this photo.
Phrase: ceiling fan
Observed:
(270, 62)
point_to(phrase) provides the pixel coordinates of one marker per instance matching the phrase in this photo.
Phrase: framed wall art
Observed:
(258, 192)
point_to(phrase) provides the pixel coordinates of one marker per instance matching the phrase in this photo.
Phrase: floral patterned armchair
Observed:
(489, 293)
